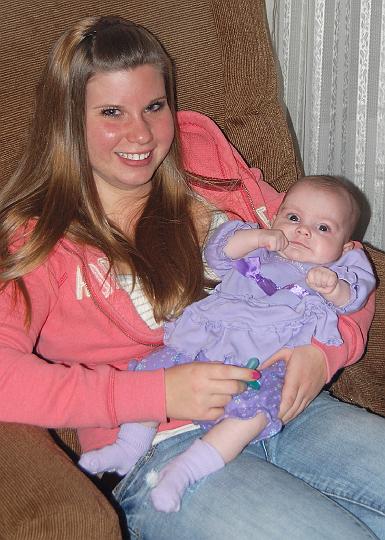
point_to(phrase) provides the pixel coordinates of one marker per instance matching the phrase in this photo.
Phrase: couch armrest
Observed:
(44, 495)
(363, 383)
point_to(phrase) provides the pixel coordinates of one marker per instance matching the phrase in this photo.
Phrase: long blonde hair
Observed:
(54, 182)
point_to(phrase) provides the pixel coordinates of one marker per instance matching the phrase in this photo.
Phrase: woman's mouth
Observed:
(134, 156)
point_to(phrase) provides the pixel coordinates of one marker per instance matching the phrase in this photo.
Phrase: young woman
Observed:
(101, 240)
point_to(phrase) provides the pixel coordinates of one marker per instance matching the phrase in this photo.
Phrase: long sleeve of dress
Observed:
(355, 268)
(215, 256)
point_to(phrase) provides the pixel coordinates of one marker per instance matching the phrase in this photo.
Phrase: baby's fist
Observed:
(322, 280)
(274, 240)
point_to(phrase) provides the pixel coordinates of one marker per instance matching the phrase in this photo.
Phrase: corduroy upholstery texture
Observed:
(44, 496)
(225, 69)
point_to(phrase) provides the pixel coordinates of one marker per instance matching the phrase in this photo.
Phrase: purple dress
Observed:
(261, 305)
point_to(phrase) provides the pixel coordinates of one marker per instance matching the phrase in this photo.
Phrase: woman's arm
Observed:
(354, 330)
(66, 393)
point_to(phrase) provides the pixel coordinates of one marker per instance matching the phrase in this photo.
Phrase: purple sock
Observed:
(198, 461)
(132, 442)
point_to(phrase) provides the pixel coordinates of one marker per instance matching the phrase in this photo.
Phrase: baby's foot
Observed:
(168, 493)
(111, 458)
(195, 463)
(132, 443)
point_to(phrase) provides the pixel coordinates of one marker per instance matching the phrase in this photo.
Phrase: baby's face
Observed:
(316, 223)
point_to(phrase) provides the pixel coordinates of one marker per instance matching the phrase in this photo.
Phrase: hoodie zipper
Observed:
(249, 198)
(260, 212)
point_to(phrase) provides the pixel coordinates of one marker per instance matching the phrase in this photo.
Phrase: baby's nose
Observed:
(304, 230)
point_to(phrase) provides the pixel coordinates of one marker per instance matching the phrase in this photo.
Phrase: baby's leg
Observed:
(230, 436)
(132, 442)
(205, 456)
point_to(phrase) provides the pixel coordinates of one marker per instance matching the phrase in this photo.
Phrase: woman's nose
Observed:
(137, 130)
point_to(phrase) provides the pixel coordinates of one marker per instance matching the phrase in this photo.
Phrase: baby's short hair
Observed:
(338, 185)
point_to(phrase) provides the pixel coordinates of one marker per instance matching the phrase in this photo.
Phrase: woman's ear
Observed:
(348, 246)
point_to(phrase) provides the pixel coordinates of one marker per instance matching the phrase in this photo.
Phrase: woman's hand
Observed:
(305, 377)
(200, 390)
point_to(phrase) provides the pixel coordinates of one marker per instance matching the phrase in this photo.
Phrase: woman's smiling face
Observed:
(129, 130)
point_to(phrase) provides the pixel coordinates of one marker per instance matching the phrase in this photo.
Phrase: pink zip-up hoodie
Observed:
(69, 367)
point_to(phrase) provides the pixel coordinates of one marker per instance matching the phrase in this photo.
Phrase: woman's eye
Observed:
(111, 112)
(156, 106)
(293, 217)
(323, 228)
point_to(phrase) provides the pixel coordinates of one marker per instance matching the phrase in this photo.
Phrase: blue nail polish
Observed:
(252, 363)
(255, 385)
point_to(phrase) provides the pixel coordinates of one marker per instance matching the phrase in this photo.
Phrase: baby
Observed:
(279, 288)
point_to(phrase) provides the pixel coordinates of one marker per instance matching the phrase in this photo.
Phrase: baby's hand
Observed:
(273, 239)
(322, 280)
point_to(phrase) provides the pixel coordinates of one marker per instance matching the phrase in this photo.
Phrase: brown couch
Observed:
(225, 69)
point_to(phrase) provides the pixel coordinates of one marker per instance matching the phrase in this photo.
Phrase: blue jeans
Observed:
(321, 477)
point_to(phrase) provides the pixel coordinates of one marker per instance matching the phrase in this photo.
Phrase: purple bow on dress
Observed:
(251, 267)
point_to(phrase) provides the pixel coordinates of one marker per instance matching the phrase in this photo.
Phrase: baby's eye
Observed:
(293, 217)
(111, 112)
(323, 228)
(155, 106)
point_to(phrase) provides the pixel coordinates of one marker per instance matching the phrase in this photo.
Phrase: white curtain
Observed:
(332, 59)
